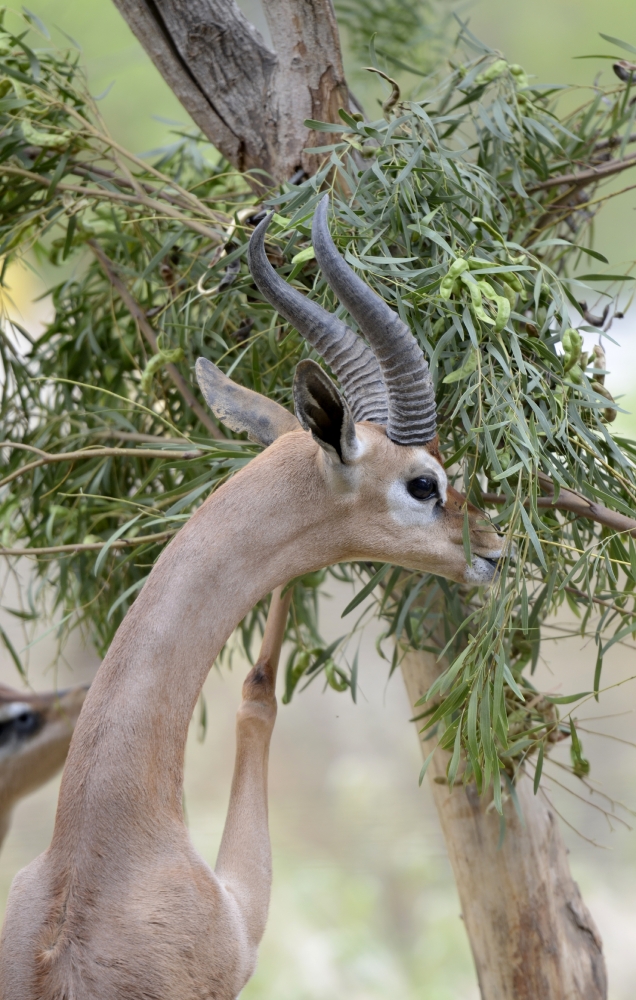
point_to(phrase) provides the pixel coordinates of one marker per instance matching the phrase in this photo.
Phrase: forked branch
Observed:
(583, 177)
(575, 503)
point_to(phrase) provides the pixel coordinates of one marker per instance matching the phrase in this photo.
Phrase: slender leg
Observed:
(244, 864)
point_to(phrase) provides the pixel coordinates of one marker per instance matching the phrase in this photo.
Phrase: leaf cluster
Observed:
(452, 209)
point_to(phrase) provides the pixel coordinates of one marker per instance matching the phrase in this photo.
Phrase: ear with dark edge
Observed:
(242, 410)
(322, 410)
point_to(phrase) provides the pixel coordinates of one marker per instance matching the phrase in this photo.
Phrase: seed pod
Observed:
(466, 369)
(476, 299)
(494, 71)
(296, 667)
(47, 140)
(599, 363)
(156, 362)
(503, 306)
(572, 343)
(448, 281)
(503, 313)
(512, 279)
(610, 413)
(335, 677)
(520, 75)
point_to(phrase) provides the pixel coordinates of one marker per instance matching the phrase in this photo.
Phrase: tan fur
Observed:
(121, 907)
(29, 761)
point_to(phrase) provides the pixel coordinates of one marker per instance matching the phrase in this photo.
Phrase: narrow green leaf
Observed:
(598, 670)
(612, 501)
(317, 126)
(425, 766)
(70, 232)
(122, 597)
(354, 676)
(103, 552)
(534, 538)
(632, 557)
(496, 790)
(539, 769)
(366, 590)
(466, 538)
(511, 682)
(618, 41)
(444, 681)
(471, 722)
(604, 277)
(454, 762)
(39, 24)
(512, 791)
(524, 607)
(449, 705)
(567, 699)
(407, 606)
(324, 656)
(12, 653)
(158, 257)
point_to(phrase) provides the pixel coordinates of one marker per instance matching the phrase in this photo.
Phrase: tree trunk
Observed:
(531, 935)
(250, 102)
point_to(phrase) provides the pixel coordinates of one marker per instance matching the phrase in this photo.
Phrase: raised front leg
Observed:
(244, 864)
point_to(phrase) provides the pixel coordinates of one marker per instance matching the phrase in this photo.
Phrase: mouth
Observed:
(484, 569)
(492, 561)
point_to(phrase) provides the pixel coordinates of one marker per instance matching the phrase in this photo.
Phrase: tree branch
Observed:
(584, 176)
(72, 456)
(613, 142)
(150, 336)
(574, 503)
(134, 199)
(120, 543)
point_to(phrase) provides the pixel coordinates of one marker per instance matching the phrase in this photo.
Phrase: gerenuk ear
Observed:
(241, 409)
(322, 410)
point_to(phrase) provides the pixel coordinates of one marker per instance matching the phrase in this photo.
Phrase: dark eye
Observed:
(26, 723)
(422, 488)
(21, 726)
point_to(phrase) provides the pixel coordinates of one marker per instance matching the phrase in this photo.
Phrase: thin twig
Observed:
(149, 334)
(613, 142)
(606, 736)
(88, 171)
(134, 199)
(120, 543)
(108, 140)
(582, 177)
(598, 600)
(592, 805)
(588, 840)
(575, 503)
(113, 432)
(74, 456)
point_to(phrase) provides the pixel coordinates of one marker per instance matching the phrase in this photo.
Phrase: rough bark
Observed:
(249, 101)
(531, 934)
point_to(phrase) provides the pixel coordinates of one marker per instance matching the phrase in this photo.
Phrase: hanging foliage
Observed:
(469, 209)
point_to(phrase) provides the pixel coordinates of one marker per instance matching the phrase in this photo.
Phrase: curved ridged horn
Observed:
(409, 387)
(349, 358)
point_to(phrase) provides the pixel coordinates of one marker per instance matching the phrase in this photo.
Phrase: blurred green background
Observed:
(364, 905)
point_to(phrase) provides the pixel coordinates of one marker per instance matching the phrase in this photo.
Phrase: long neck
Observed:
(259, 530)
